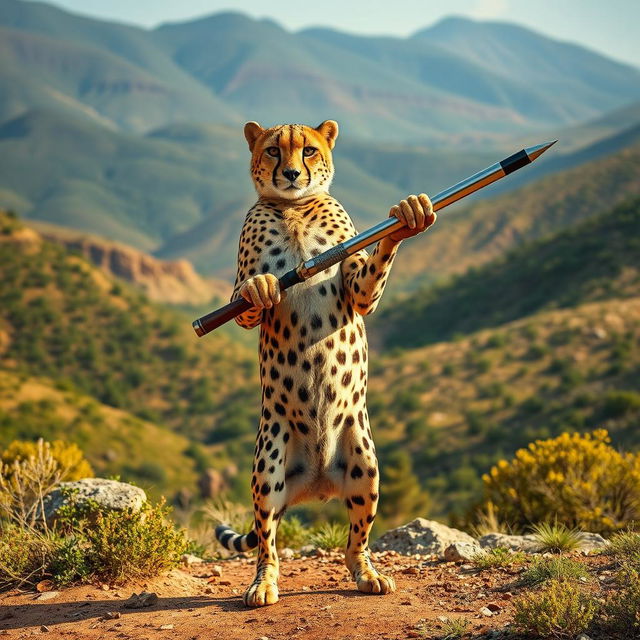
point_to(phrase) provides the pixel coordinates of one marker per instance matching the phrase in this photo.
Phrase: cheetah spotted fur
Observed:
(314, 439)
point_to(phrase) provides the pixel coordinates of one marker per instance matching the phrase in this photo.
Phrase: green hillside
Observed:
(594, 260)
(458, 407)
(63, 319)
(470, 236)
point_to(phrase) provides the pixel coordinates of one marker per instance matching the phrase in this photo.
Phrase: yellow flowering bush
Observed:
(579, 480)
(68, 456)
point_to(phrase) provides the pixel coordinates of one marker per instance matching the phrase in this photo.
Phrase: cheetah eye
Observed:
(308, 151)
(274, 152)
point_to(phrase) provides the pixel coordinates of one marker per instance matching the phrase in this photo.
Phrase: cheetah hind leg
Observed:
(357, 555)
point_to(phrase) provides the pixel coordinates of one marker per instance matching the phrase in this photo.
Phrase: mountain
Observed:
(170, 282)
(594, 260)
(472, 235)
(227, 67)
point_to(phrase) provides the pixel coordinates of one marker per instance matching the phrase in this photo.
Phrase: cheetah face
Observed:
(291, 161)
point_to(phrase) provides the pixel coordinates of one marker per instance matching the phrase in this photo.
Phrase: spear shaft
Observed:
(311, 267)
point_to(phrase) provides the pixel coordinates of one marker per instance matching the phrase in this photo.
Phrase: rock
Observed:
(526, 543)
(111, 615)
(308, 550)
(48, 595)
(583, 636)
(188, 559)
(166, 627)
(216, 570)
(420, 536)
(462, 551)
(44, 628)
(145, 599)
(286, 554)
(485, 611)
(211, 483)
(109, 494)
(592, 542)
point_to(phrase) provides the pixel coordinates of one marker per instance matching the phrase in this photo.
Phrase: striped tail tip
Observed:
(233, 541)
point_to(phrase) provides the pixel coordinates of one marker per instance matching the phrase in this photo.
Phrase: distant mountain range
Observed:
(459, 79)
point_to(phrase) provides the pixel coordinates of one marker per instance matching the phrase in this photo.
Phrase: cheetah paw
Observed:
(374, 582)
(260, 594)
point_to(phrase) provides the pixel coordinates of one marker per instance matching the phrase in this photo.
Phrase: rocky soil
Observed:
(318, 601)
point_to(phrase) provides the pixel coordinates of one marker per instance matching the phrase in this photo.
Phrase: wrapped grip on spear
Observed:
(309, 268)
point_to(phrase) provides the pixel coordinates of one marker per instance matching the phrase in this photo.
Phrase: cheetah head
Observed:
(291, 161)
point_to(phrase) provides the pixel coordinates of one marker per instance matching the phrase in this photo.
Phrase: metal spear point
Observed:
(310, 268)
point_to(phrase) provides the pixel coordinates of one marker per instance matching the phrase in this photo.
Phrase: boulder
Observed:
(526, 543)
(592, 542)
(109, 494)
(420, 536)
(462, 551)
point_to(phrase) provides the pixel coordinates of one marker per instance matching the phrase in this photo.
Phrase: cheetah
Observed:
(314, 438)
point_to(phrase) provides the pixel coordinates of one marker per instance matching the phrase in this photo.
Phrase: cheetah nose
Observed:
(290, 174)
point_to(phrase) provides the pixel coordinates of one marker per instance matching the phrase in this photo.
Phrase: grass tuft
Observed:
(556, 538)
(330, 535)
(498, 557)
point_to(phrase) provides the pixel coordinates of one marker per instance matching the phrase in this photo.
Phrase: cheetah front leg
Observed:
(362, 501)
(269, 501)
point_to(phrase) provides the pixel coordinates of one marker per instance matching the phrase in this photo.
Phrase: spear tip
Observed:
(537, 150)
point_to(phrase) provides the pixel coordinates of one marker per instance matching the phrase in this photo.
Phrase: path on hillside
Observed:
(317, 601)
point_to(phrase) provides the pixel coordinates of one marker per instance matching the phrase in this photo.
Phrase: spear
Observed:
(311, 267)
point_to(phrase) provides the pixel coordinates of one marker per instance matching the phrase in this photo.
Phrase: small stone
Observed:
(583, 636)
(462, 551)
(287, 554)
(485, 611)
(111, 615)
(166, 627)
(188, 559)
(494, 607)
(47, 595)
(216, 570)
(145, 599)
(44, 628)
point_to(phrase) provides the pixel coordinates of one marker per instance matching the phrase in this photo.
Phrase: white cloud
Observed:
(487, 9)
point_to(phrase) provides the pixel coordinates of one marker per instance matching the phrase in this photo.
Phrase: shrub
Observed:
(25, 555)
(330, 535)
(69, 458)
(292, 533)
(556, 538)
(29, 471)
(545, 569)
(619, 403)
(559, 610)
(498, 557)
(125, 545)
(625, 546)
(579, 480)
(622, 608)
(454, 628)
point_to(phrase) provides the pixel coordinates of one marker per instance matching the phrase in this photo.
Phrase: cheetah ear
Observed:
(252, 131)
(329, 130)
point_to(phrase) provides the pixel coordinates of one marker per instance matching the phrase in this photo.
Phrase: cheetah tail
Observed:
(233, 541)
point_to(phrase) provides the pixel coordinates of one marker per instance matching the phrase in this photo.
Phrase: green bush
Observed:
(620, 403)
(622, 608)
(124, 545)
(560, 568)
(25, 555)
(330, 535)
(559, 610)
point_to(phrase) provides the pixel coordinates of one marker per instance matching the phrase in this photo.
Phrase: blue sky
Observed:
(610, 27)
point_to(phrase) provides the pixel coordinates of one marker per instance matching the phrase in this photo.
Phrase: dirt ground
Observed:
(317, 601)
